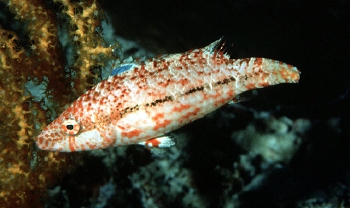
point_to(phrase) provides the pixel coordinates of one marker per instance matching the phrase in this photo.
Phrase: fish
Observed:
(142, 101)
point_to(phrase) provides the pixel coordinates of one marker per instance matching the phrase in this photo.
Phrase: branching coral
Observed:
(26, 172)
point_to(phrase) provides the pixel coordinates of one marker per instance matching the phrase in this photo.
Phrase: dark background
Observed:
(311, 35)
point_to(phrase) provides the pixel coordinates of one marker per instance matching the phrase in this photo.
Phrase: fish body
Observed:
(143, 101)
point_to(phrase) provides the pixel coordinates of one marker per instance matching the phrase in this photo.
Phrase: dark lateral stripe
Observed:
(170, 98)
(165, 99)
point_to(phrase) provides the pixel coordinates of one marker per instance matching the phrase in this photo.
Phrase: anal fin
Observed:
(156, 145)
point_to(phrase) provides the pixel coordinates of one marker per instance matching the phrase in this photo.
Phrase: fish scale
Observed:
(140, 102)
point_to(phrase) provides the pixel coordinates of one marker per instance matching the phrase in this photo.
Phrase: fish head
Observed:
(76, 130)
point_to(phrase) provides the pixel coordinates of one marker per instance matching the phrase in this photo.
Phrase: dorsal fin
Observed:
(224, 46)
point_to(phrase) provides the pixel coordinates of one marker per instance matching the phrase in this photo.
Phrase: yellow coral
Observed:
(25, 171)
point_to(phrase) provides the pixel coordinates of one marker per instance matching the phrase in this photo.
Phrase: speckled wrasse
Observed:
(140, 102)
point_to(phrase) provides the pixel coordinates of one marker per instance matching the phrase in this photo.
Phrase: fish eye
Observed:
(71, 127)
